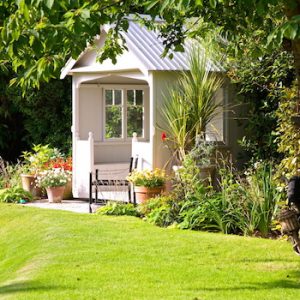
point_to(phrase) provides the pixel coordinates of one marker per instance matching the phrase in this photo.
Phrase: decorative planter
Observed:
(144, 193)
(289, 222)
(55, 193)
(68, 191)
(29, 185)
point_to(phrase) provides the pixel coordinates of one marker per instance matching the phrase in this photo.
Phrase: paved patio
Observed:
(78, 206)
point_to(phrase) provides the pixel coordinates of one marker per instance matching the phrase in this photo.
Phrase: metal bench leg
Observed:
(90, 194)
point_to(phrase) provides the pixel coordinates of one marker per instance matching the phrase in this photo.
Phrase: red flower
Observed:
(163, 136)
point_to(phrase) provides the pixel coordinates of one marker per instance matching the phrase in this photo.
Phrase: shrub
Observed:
(14, 195)
(9, 174)
(161, 211)
(36, 160)
(118, 209)
(246, 204)
(288, 136)
(186, 205)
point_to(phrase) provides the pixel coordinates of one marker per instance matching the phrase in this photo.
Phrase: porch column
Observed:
(75, 131)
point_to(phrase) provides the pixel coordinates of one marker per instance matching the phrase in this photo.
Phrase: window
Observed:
(124, 113)
(135, 112)
(113, 114)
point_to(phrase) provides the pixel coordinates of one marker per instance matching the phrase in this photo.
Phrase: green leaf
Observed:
(49, 3)
(151, 4)
(85, 14)
(213, 3)
(26, 13)
(290, 30)
(179, 48)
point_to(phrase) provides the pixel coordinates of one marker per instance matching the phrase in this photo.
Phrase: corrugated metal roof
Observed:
(148, 47)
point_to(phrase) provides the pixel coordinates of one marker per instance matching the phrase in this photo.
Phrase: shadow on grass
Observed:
(25, 286)
(291, 282)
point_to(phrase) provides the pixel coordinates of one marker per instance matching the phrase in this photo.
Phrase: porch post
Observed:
(75, 132)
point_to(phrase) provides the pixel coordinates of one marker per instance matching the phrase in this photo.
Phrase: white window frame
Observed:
(124, 89)
(224, 119)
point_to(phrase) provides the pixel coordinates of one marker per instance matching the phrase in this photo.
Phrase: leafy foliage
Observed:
(38, 36)
(148, 178)
(42, 116)
(260, 84)
(10, 174)
(244, 205)
(47, 115)
(192, 104)
(36, 160)
(14, 195)
(118, 209)
(288, 136)
(247, 204)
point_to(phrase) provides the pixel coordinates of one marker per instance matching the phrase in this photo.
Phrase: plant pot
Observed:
(68, 191)
(206, 174)
(143, 193)
(55, 193)
(289, 221)
(29, 185)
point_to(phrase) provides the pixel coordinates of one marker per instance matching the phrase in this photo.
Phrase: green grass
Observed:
(46, 254)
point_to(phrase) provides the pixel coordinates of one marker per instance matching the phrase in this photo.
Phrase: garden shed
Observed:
(117, 107)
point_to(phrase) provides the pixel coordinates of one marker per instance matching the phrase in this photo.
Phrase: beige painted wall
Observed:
(162, 83)
(89, 112)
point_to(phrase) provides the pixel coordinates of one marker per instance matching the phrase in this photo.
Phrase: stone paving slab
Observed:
(78, 206)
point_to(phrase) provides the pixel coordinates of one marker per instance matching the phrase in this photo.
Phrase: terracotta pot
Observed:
(144, 193)
(29, 185)
(55, 193)
(68, 191)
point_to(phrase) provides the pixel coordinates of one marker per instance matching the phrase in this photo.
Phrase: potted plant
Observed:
(66, 165)
(147, 183)
(35, 161)
(54, 181)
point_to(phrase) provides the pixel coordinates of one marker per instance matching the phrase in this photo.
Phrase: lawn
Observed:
(46, 254)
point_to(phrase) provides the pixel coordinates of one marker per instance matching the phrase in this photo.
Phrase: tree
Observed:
(37, 36)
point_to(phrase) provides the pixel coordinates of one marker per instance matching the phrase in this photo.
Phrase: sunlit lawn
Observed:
(47, 254)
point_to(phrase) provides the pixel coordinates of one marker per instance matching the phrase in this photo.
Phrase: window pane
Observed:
(118, 97)
(139, 97)
(135, 120)
(113, 124)
(108, 97)
(130, 97)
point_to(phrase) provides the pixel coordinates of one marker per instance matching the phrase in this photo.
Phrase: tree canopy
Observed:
(38, 36)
